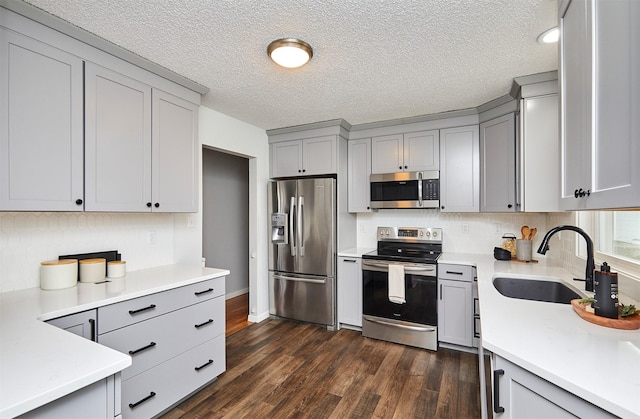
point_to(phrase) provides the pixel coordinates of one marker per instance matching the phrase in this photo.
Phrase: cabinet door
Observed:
(359, 165)
(387, 154)
(575, 69)
(174, 154)
(350, 291)
(517, 393)
(319, 156)
(498, 164)
(616, 141)
(81, 324)
(460, 169)
(41, 120)
(286, 159)
(421, 151)
(117, 142)
(455, 312)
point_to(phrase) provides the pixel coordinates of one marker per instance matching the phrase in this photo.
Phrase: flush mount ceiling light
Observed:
(549, 36)
(290, 52)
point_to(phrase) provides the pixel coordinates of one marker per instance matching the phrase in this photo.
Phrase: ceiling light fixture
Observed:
(290, 52)
(549, 36)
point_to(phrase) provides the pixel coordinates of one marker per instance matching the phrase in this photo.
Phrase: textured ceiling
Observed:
(373, 60)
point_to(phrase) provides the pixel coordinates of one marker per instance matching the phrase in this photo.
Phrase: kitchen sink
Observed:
(536, 290)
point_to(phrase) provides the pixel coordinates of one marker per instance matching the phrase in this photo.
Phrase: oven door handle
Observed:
(402, 326)
(298, 279)
(406, 268)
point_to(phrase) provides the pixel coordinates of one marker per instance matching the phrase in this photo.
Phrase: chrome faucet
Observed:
(588, 276)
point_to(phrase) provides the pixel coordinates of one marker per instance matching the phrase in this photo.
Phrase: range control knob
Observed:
(435, 234)
(428, 234)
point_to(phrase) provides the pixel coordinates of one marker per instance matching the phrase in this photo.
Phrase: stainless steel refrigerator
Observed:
(302, 251)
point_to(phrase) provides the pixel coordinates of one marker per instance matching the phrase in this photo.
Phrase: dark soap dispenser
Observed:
(606, 292)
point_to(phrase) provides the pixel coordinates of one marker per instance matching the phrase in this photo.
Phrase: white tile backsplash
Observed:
(26, 239)
(462, 232)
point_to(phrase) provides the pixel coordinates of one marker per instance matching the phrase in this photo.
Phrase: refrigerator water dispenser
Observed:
(279, 228)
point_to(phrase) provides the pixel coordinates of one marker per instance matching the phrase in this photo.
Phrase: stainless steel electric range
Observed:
(412, 318)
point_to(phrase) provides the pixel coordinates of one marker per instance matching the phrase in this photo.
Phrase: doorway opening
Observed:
(225, 228)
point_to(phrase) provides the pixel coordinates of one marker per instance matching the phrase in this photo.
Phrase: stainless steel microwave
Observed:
(405, 190)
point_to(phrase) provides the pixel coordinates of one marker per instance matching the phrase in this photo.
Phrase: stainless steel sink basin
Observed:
(536, 290)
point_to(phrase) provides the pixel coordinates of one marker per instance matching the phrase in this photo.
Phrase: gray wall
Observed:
(225, 219)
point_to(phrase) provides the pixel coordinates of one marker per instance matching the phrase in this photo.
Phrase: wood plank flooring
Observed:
(285, 369)
(237, 311)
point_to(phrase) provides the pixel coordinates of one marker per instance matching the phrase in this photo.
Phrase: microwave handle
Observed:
(420, 188)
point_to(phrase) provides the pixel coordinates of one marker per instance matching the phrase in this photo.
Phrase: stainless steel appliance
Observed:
(405, 190)
(302, 251)
(414, 322)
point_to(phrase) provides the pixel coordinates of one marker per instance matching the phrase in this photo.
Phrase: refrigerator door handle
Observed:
(300, 225)
(292, 210)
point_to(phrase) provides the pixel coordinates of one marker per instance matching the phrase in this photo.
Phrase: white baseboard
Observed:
(258, 318)
(236, 293)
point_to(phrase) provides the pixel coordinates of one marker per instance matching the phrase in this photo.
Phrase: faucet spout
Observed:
(544, 247)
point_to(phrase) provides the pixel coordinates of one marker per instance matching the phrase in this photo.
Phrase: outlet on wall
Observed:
(465, 228)
(152, 237)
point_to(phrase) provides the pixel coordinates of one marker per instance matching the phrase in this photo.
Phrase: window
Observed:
(616, 238)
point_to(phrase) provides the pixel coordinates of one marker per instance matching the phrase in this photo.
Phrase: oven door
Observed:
(421, 292)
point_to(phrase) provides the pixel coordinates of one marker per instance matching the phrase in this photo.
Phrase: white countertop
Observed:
(40, 363)
(355, 252)
(601, 365)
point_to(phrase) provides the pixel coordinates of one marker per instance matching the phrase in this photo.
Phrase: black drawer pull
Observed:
(140, 310)
(204, 292)
(454, 273)
(136, 404)
(149, 346)
(198, 326)
(496, 391)
(204, 365)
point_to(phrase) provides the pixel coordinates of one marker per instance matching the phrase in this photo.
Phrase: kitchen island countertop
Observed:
(598, 364)
(40, 363)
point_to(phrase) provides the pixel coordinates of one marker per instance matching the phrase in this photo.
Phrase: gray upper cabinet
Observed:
(41, 111)
(460, 169)
(359, 172)
(307, 157)
(140, 146)
(498, 164)
(599, 64)
(410, 152)
(117, 142)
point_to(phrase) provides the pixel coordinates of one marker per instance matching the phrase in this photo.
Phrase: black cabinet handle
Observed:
(299, 171)
(157, 205)
(206, 364)
(144, 348)
(198, 326)
(581, 193)
(400, 167)
(304, 170)
(78, 201)
(442, 207)
(406, 167)
(138, 403)
(140, 310)
(454, 273)
(509, 206)
(349, 260)
(148, 204)
(496, 391)
(92, 323)
(441, 291)
(203, 292)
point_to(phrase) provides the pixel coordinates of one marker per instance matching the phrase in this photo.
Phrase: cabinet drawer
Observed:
(128, 312)
(455, 272)
(154, 341)
(151, 392)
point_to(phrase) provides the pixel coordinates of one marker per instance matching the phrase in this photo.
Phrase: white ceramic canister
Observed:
(58, 274)
(116, 268)
(92, 270)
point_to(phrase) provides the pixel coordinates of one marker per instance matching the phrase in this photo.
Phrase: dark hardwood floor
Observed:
(285, 369)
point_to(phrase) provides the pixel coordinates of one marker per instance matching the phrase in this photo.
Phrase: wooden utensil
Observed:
(525, 230)
(532, 233)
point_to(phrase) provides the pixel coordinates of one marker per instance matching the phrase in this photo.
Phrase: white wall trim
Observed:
(237, 293)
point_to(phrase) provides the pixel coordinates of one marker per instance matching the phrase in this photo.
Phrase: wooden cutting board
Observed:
(625, 323)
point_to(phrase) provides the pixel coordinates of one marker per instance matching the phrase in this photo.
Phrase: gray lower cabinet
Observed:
(456, 305)
(350, 291)
(81, 324)
(176, 342)
(518, 393)
(98, 400)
